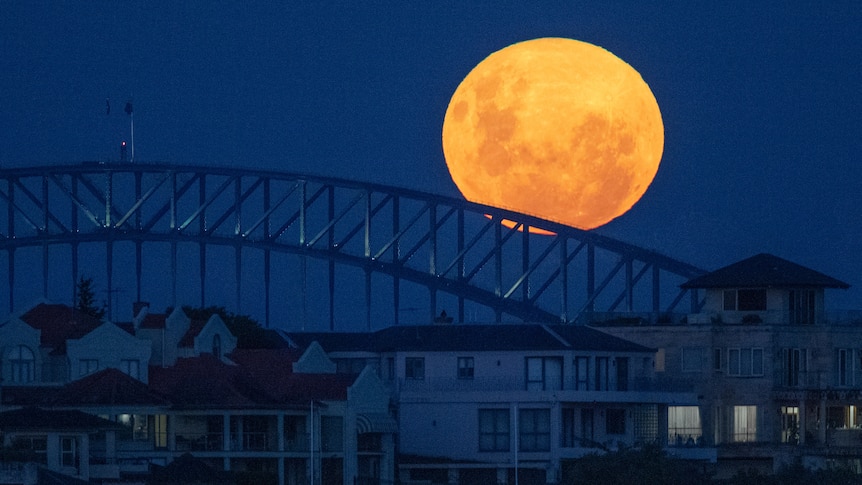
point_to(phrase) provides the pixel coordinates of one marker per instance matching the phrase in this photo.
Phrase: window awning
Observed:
(375, 423)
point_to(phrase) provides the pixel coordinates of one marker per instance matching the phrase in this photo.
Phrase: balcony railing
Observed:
(498, 384)
(199, 442)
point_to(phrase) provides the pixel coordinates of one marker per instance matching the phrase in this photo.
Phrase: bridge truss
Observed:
(296, 250)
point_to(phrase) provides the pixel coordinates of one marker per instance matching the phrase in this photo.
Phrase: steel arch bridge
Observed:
(303, 250)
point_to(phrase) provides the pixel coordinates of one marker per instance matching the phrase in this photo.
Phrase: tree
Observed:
(248, 332)
(87, 300)
(649, 464)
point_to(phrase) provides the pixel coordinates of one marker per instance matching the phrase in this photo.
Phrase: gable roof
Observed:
(106, 388)
(765, 271)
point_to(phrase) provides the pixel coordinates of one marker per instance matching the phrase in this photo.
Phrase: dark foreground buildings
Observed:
(763, 375)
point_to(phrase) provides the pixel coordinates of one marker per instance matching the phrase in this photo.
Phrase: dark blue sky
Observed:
(761, 101)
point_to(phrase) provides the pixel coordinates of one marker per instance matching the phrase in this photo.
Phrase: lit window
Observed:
(744, 424)
(534, 430)
(465, 367)
(790, 424)
(414, 368)
(683, 425)
(493, 430)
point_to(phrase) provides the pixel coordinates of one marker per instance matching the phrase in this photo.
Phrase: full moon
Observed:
(555, 128)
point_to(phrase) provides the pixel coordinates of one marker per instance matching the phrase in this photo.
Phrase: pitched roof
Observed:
(154, 321)
(590, 339)
(271, 370)
(764, 271)
(44, 419)
(464, 338)
(207, 383)
(195, 327)
(59, 323)
(108, 387)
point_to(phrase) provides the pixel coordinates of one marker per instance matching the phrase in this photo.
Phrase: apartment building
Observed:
(484, 403)
(777, 375)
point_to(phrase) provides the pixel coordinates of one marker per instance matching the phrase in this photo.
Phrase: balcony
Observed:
(637, 390)
(199, 442)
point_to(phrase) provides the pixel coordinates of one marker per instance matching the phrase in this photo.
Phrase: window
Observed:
(802, 307)
(331, 433)
(717, 361)
(789, 424)
(587, 427)
(22, 364)
(795, 362)
(615, 422)
(752, 300)
(659, 360)
(493, 430)
(69, 451)
(131, 367)
(465, 367)
(745, 362)
(350, 366)
(534, 430)
(843, 367)
(622, 373)
(601, 374)
(582, 373)
(691, 359)
(36, 444)
(160, 430)
(414, 368)
(217, 346)
(87, 366)
(544, 373)
(683, 425)
(744, 424)
(569, 434)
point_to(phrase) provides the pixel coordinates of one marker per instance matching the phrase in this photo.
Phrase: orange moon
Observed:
(555, 128)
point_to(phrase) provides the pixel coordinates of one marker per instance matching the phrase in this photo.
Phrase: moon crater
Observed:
(556, 128)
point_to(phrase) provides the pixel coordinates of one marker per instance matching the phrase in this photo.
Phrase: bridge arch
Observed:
(279, 245)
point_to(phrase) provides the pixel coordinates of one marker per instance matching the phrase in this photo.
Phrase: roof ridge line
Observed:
(556, 335)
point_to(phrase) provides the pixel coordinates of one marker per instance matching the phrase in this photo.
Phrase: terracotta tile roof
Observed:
(108, 387)
(59, 323)
(765, 271)
(207, 383)
(29, 395)
(154, 321)
(271, 369)
(194, 330)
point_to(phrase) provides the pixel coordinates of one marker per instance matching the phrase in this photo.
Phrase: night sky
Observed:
(762, 104)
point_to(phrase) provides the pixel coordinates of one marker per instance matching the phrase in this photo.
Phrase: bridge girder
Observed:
(450, 248)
